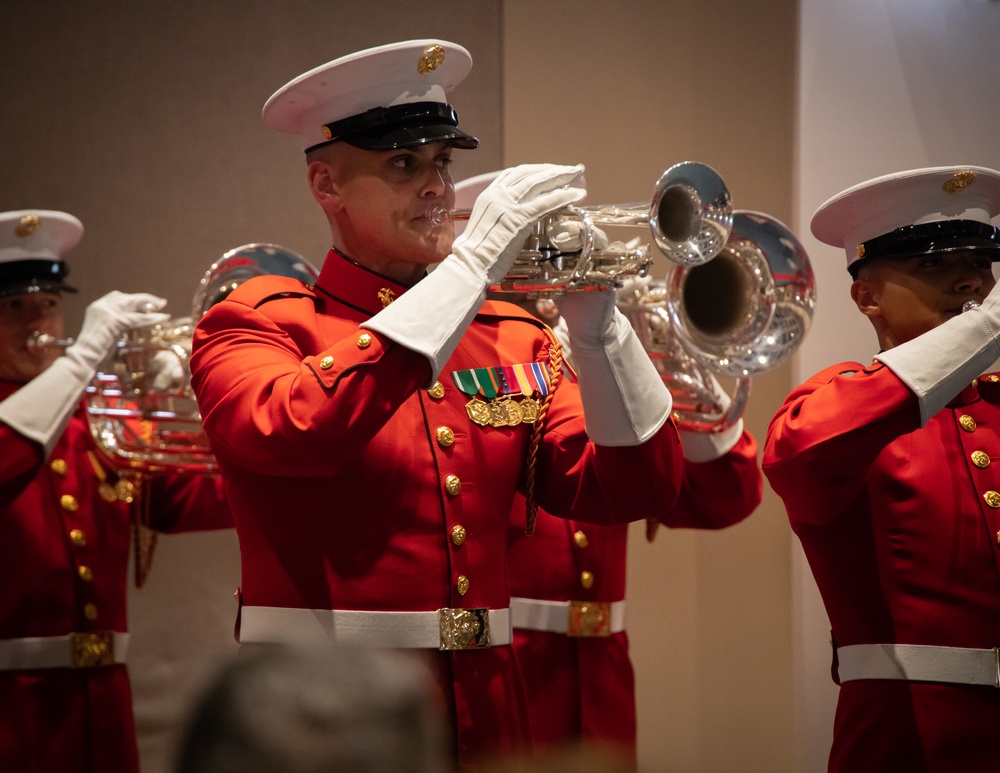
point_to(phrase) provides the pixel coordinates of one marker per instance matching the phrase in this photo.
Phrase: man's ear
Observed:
(323, 186)
(864, 296)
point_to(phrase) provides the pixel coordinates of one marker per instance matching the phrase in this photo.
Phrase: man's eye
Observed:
(444, 162)
(403, 162)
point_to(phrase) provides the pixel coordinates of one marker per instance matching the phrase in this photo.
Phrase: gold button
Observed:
(981, 459)
(967, 422)
(326, 363)
(462, 585)
(364, 341)
(437, 390)
(77, 538)
(992, 498)
(85, 572)
(458, 534)
(452, 485)
(68, 502)
(445, 436)
(992, 378)
(58, 466)
(90, 611)
(587, 579)
(580, 539)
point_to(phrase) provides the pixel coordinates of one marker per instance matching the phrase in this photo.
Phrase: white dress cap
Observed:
(32, 243)
(405, 85)
(880, 206)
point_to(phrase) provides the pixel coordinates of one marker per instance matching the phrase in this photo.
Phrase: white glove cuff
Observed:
(624, 399)
(708, 446)
(41, 409)
(431, 317)
(940, 363)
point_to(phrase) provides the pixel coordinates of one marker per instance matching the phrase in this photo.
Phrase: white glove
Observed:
(166, 373)
(568, 235)
(706, 446)
(940, 363)
(624, 399)
(431, 317)
(41, 408)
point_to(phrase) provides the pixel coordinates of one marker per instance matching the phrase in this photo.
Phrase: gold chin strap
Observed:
(555, 366)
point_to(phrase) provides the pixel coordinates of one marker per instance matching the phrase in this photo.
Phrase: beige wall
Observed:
(628, 89)
(143, 119)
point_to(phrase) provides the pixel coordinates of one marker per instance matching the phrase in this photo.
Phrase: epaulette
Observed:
(258, 290)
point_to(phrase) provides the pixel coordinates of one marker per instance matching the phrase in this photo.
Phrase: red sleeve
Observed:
(720, 492)
(302, 415)
(822, 441)
(603, 484)
(187, 503)
(20, 458)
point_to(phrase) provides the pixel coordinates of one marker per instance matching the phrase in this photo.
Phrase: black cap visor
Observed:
(401, 126)
(940, 236)
(33, 276)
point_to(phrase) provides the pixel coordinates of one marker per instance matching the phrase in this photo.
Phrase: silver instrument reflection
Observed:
(688, 218)
(743, 313)
(39, 340)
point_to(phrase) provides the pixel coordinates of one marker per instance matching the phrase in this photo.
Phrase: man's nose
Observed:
(968, 279)
(434, 183)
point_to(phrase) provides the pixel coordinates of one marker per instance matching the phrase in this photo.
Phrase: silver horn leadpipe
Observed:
(39, 340)
(689, 219)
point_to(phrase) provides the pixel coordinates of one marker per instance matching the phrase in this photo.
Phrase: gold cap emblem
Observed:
(959, 181)
(28, 225)
(431, 60)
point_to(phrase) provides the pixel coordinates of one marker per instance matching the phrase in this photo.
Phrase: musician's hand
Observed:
(165, 372)
(107, 318)
(505, 212)
(568, 234)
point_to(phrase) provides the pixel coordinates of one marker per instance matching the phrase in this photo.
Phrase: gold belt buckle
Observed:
(96, 648)
(464, 629)
(589, 618)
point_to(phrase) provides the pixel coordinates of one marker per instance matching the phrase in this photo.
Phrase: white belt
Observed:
(919, 663)
(73, 650)
(446, 629)
(573, 618)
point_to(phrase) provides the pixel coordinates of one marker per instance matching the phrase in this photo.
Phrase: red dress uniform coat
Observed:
(896, 524)
(583, 687)
(64, 552)
(355, 487)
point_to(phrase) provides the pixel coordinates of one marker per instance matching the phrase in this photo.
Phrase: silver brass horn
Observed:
(140, 406)
(742, 313)
(688, 218)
